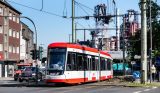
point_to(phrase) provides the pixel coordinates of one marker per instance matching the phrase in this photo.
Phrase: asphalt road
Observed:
(79, 89)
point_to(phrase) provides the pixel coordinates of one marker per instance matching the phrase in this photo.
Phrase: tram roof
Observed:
(76, 46)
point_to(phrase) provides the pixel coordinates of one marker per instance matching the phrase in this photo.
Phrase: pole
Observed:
(35, 34)
(150, 21)
(76, 41)
(143, 42)
(123, 36)
(99, 61)
(117, 30)
(73, 14)
(35, 45)
(84, 35)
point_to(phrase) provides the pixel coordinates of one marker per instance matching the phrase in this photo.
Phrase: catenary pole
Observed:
(150, 23)
(73, 14)
(143, 42)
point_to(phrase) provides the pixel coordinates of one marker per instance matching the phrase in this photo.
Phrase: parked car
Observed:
(19, 68)
(29, 73)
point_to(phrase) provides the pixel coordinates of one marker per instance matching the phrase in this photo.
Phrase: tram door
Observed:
(97, 68)
(89, 64)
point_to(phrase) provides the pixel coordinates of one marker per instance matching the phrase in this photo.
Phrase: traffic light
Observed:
(40, 53)
(37, 54)
(32, 53)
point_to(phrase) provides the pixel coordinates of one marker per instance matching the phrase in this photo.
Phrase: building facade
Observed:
(9, 38)
(26, 43)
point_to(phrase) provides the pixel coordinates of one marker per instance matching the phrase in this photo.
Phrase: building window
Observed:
(1, 47)
(17, 49)
(1, 11)
(1, 29)
(14, 33)
(17, 19)
(10, 32)
(14, 50)
(14, 17)
(10, 48)
(5, 21)
(17, 34)
(10, 15)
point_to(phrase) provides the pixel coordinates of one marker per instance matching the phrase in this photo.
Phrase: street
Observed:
(79, 89)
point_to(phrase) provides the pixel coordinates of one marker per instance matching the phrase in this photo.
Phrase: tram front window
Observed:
(57, 57)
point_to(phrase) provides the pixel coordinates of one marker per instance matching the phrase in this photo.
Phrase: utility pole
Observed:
(150, 23)
(73, 15)
(143, 42)
(123, 36)
(117, 30)
(84, 35)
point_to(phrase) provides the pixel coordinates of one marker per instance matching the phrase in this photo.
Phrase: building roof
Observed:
(4, 2)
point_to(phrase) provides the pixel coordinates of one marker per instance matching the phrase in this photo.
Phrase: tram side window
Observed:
(85, 62)
(109, 64)
(97, 63)
(79, 62)
(103, 65)
(71, 62)
(89, 63)
(93, 63)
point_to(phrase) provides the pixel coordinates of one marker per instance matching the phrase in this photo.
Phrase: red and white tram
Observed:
(74, 63)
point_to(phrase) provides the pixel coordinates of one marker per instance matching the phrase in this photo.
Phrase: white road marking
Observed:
(147, 89)
(154, 87)
(137, 92)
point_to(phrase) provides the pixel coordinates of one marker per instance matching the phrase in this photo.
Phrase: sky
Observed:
(52, 27)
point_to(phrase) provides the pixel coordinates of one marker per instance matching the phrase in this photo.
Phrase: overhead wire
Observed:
(84, 5)
(54, 14)
(83, 9)
(81, 6)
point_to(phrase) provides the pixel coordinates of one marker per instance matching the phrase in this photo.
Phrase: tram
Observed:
(74, 64)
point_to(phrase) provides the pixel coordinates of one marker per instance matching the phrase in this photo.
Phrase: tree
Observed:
(136, 46)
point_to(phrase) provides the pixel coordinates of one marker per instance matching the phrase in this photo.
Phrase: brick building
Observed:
(9, 38)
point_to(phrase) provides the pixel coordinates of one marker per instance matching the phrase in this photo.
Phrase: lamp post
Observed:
(35, 45)
(35, 39)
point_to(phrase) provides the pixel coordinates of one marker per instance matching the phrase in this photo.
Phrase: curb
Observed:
(12, 85)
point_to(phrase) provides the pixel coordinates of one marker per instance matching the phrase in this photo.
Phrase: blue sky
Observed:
(51, 28)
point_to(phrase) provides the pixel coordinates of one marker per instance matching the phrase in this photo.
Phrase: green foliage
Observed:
(136, 46)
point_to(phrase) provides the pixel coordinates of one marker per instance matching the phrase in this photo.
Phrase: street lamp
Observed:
(35, 31)
(35, 49)
(35, 39)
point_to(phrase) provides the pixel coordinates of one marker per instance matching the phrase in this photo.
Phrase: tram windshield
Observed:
(56, 58)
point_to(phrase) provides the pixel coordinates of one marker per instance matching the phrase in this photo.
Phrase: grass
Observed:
(154, 84)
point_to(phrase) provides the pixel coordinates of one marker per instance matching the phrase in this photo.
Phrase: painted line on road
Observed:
(147, 89)
(154, 87)
(137, 92)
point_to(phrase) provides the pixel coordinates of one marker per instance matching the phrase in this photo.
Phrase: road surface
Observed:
(79, 89)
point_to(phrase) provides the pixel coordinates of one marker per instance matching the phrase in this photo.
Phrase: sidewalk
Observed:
(6, 78)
